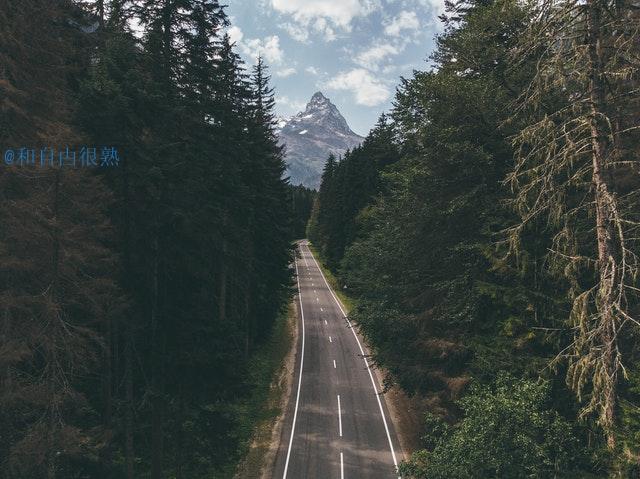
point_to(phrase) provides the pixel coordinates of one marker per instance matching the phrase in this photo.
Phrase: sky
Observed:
(354, 51)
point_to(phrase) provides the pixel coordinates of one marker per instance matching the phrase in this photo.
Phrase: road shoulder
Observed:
(259, 462)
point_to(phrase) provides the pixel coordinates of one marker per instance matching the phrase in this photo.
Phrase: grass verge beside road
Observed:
(264, 410)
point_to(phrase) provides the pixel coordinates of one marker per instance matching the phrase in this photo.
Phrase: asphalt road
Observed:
(336, 423)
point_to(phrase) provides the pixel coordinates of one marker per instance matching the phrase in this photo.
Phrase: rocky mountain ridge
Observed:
(310, 136)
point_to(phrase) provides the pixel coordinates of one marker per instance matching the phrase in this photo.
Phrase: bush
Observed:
(508, 431)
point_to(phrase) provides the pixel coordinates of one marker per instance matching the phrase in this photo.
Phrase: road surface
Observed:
(336, 424)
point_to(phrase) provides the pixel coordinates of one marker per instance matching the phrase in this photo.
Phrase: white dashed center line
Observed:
(339, 416)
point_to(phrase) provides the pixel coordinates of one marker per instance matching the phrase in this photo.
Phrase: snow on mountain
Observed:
(280, 123)
(309, 138)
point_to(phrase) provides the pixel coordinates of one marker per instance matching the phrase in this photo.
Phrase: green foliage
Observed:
(572, 170)
(424, 261)
(628, 464)
(302, 200)
(508, 431)
(169, 272)
(441, 298)
(436, 430)
(348, 185)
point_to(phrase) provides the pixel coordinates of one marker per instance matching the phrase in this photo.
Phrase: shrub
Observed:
(508, 431)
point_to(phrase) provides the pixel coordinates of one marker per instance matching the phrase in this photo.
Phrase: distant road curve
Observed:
(336, 424)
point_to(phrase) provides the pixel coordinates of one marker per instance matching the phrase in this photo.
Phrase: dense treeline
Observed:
(492, 244)
(132, 297)
(348, 186)
(302, 199)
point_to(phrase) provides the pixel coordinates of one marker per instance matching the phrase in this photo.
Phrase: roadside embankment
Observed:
(276, 365)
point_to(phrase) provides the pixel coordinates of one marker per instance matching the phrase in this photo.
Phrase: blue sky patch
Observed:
(354, 51)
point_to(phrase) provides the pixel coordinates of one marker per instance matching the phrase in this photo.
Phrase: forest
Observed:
(488, 232)
(135, 296)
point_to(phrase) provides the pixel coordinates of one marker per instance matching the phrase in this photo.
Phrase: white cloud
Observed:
(405, 20)
(389, 69)
(312, 70)
(298, 33)
(294, 105)
(324, 16)
(436, 6)
(404, 69)
(322, 26)
(286, 72)
(268, 48)
(374, 56)
(235, 34)
(367, 89)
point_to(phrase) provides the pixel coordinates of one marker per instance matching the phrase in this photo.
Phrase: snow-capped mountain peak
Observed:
(321, 113)
(311, 135)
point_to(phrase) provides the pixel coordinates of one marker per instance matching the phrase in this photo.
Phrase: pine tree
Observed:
(572, 166)
(272, 222)
(325, 213)
(200, 240)
(58, 293)
(302, 200)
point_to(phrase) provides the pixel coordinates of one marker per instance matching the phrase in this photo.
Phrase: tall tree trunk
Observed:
(223, 279)
(52, 365)
(107, 375)
(51, 425)
(5, 369)
(101, 13)
(167, 42)
(180, 440)
(222, 287)
(128, 328)
(56, 231)
(248, 320)
(128, 414)
(157, 439)
(608, 250)
(157, 370)
(157, 373)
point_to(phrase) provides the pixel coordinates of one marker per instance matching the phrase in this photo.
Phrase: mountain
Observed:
(310, 136)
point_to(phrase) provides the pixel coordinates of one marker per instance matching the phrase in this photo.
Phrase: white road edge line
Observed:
(341, 466)
(375, 388)
(295, 412)
(339, 416)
